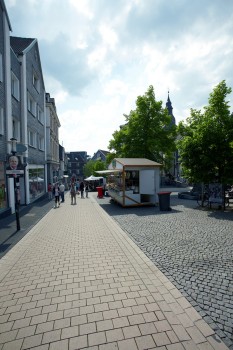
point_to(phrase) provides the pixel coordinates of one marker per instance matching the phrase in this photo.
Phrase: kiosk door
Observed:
(147, 182)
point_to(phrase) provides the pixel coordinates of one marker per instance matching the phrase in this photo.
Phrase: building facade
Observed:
(27, 115)
(52, 140)
(29, 127)
(5, 104)
(75, 164)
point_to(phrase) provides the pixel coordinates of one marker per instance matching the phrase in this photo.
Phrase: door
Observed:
(147, 182)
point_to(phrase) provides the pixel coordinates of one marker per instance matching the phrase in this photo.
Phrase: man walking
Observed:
(62, 192)
(82, 189)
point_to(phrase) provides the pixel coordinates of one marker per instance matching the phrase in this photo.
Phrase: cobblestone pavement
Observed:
(77, 281)
(193, 248)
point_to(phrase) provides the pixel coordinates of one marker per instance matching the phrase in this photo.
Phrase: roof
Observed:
(19, 45)
(2, 4)
(109, 171)
(137, 162)
(104, 152)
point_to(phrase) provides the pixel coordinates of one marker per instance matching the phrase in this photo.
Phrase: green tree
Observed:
(88, 168)
(206, 140)
(92, 166)
(147, 133)
(99, 165)
(110, 157)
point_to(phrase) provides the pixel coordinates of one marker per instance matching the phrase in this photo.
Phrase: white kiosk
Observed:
(133, 181)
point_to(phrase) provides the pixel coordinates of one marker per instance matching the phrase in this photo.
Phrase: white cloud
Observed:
(109, 36)
(98, 56)
(82, 7)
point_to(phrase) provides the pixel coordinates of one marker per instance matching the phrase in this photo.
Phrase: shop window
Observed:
(115, 182)
(1, 122)
(36, 183)
(1, 68)
(3, 198)
(132, 181)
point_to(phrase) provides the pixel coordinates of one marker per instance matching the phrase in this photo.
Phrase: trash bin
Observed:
(164, 201)
(100, 192)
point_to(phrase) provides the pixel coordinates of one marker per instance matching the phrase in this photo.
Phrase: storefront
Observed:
(36, 182)
(133, 181)
(3, 192)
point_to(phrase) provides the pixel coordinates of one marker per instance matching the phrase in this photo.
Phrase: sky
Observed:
(98, 56)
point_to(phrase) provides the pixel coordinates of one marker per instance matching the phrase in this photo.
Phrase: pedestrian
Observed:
(73, 193)
(86, 190)
(81, 186)
(77, 185)
(62, 192)
(50, 191)
(56, 196)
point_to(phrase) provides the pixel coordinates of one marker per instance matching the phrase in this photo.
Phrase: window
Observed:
(16, 129)
(31, 138)
(1, 122)
(1, 68)
(41, 143)
(40, 115)
(14, 86)
(36, 82)
(31, 105)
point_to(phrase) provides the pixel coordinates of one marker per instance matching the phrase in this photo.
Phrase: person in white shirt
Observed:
(62, 192)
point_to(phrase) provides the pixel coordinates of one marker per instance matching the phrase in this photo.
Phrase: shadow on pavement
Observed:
(29, 216)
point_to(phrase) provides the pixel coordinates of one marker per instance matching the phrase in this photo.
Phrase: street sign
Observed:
(20, 148)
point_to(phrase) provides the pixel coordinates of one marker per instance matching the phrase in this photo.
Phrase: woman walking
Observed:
(73, 193)
(56, 196)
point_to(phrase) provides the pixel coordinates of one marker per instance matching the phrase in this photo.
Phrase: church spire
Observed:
(170, 109)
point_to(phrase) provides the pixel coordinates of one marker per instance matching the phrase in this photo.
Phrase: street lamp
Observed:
(16, 184)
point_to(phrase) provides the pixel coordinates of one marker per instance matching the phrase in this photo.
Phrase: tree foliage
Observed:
(147, 133)
(206, 140)
(92, 166)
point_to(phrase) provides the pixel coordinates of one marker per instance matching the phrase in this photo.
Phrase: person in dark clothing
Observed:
(86, 189)
(81, 187)
(56, 196)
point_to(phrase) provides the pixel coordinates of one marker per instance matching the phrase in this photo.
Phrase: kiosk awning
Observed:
(109, 171)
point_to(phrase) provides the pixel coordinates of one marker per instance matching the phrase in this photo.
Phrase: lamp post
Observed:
(16, 185)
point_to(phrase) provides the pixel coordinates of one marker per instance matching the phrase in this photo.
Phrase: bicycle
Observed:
(203, 199)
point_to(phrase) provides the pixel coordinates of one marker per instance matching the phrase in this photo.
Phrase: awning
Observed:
(109, 171)
(93, 178)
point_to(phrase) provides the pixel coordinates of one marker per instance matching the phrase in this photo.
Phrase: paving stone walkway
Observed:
(193, 248)
(77, 281)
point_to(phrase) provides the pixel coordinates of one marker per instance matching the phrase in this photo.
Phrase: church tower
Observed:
(170, 110)
(175, 169)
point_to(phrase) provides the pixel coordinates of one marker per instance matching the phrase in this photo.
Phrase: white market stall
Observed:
(93, 178)
(94, 181)
(133, 181)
